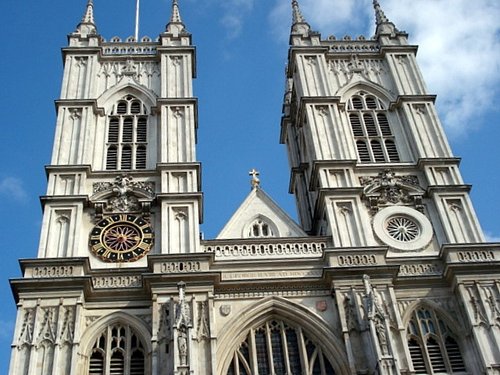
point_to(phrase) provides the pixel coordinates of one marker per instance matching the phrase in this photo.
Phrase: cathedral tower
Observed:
(387, 272)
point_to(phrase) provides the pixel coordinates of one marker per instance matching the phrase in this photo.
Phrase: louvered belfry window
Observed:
(277, 347)
(432, 346)
(117, 351)
(127, 135)
(370, 127)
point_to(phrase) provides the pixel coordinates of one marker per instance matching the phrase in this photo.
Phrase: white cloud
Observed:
(12, 187)
(234, 14)
(459, 51)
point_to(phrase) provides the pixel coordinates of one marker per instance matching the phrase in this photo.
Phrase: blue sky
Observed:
(242, 49)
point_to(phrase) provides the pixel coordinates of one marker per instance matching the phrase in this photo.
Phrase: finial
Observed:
(87, 25)
(384, 26)
(297, 14)
(379, 13)
(176, 14)
(255, 182)
(175, 26)
(299, 24)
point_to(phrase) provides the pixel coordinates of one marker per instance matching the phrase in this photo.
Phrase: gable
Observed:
(260, 217)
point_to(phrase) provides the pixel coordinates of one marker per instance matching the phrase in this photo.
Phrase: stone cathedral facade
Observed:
(387, 272)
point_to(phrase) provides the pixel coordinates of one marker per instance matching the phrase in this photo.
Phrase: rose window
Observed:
(402, 229)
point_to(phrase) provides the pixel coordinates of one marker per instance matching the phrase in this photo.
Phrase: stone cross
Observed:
(255, 182)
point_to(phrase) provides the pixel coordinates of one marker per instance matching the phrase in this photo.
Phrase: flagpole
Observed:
(137, 21)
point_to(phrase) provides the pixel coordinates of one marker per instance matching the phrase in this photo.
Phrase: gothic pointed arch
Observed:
(372, 88)
(260, 226)
(116, 343)
(130, 128)
(374, 129)
(433, 339)
(305, 330)
(112, 95)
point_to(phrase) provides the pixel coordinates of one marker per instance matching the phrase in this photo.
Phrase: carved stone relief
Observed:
(388, 189)
(123, 195)
(26, 334)
(47, 329)
(203, 331)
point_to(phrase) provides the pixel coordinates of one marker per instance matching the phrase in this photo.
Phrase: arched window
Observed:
(117, 351)
(127, 135)
(375, 141)
(260, 228)
(432, 346)
(277, 347)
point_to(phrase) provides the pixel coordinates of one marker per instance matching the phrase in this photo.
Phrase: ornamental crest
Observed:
(122, 195)
(388, 189)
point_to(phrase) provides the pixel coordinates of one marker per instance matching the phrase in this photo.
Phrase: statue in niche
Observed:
(182, 345)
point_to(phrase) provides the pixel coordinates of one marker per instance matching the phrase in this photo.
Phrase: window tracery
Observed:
(432, 346)
(370, 126)
(127, 135)
(260, 228)
(278, 348)
(117, 351)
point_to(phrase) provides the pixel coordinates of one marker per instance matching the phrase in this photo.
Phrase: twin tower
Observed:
(387, 272)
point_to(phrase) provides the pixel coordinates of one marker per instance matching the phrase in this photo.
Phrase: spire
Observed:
(383, 24)
(87, 25)
(297, 14)
(176, 14)
(175, 26)
(299, 25)
(379, 13)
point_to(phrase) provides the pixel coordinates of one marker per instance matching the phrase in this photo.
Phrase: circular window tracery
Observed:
(402, 228)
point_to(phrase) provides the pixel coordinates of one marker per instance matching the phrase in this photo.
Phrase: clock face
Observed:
(121, 238)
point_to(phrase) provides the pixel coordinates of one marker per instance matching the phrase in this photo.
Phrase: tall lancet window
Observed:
(117, 351)
(433, 348)
(370, 127)
(127, 135)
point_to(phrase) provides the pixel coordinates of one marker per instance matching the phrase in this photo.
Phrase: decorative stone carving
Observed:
(90, 319)
(26, 334)
(421, 269)
(47, 329)
(476, 256)
(182, 345)
(180, 267)
(164, 327)
(54, 271)
(350, 314)
(294, 249)
(477, 307)
(111, 282)
(357, 260)
(183, 323)
(68, 325)
(122, 195)
(203, 332)
(388, 189)
(225, 310)
(182, 309)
